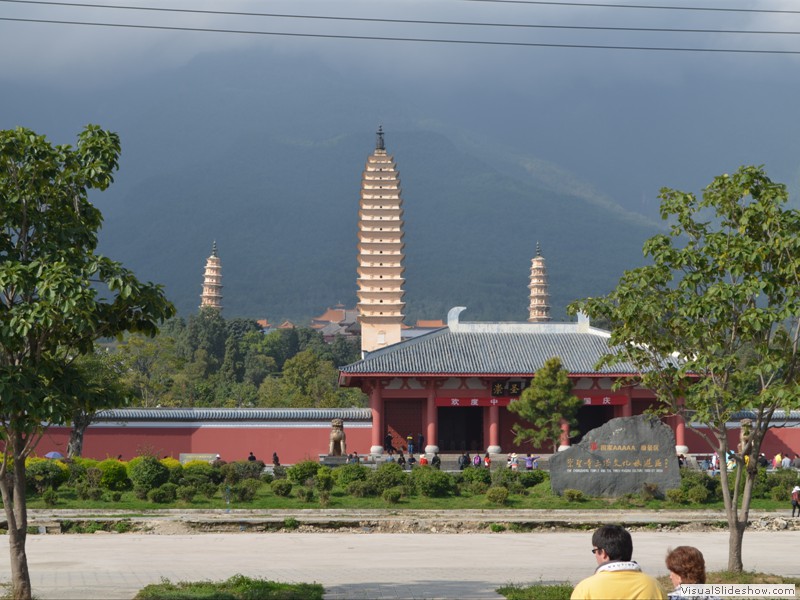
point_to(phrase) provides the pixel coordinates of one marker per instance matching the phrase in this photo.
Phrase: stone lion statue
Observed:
(338, 446)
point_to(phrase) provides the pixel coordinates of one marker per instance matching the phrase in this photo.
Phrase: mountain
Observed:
(269, 168)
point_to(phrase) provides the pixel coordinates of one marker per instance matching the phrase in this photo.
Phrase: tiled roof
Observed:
(492, 348)
(233, 414)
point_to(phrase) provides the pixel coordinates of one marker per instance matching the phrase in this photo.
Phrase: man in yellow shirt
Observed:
(616, 576)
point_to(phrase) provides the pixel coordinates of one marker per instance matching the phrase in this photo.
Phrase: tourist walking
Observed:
(796, 500)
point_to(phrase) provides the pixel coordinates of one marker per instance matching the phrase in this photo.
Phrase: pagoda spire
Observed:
(380, 251)
(539, 308)
(379, 144)
(211, 297)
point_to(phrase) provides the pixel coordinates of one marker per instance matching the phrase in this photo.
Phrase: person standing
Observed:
(252, 457)
(476, 462)
(410, 442)
(275, 460)
(436, 462)
(487, 461)
(616, 575)
(796, 500)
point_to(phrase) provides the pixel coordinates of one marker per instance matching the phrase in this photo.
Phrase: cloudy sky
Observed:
(700, 110)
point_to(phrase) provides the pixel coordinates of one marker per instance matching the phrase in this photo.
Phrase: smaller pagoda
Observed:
(212, 282)
(539, 308)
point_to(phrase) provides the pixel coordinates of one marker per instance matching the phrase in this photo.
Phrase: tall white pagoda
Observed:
(380, 251)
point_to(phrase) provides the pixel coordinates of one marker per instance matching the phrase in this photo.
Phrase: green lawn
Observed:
(237, 587)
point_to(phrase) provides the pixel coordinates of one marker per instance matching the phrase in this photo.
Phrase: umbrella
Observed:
(54, 455)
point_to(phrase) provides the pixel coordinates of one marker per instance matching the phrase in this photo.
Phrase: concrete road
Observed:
(352, 565)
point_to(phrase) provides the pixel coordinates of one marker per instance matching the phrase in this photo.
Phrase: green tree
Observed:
(58, 296)
(723, 298)
(102, 387)
(232, 367)
(546, 404)
(148, 367)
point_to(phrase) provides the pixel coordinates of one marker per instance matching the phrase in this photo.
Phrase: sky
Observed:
(645, 117)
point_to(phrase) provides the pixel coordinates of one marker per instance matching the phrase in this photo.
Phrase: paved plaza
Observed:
(362, 565)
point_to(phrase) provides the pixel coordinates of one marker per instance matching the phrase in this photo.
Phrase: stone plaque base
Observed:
(332, 461)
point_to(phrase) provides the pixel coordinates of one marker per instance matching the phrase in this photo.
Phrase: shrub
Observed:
(186, 493)
(573, 495)
(163, 494)
(175, 469)
(676, 496)
(75, 469)
(392, 495)
(93, 476)
(140, 492)
(50, 497)
(504, 477)
(114, 476)
(290, 523)
(209, 490)
(84, 491)
(306, 494)
(650, 491)
(478, 487)
(324, 498)
(245, 491)
(532, 478)
(691, 479)
(324, 479)
(347, 474)
(237, 471)
(115, 496)
(497, 527)
(266, 477)
(469, 476)
(281, 487)
(122, 526)
(432, 482)
(386, 476)
(147, 472)
(780, 493)
(199, 473)
(698, 494)
(45, 474)
(497, 494)
(302, 471)
(279, 472)
(361, 489)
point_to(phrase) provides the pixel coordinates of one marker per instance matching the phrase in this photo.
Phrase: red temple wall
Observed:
(292, 443)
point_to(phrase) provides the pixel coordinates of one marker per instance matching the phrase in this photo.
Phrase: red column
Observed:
(494, 430)
(680, 432)
(376, 405)
(627, 408)
(432, 428)
(564, 441)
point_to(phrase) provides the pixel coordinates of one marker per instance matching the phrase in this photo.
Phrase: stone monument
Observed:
(618, 458)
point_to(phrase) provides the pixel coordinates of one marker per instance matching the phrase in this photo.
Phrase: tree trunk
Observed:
(80, 421)
(735, 537)
(12, 489)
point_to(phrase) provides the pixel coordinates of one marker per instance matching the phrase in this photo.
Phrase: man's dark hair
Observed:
(615, 540)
